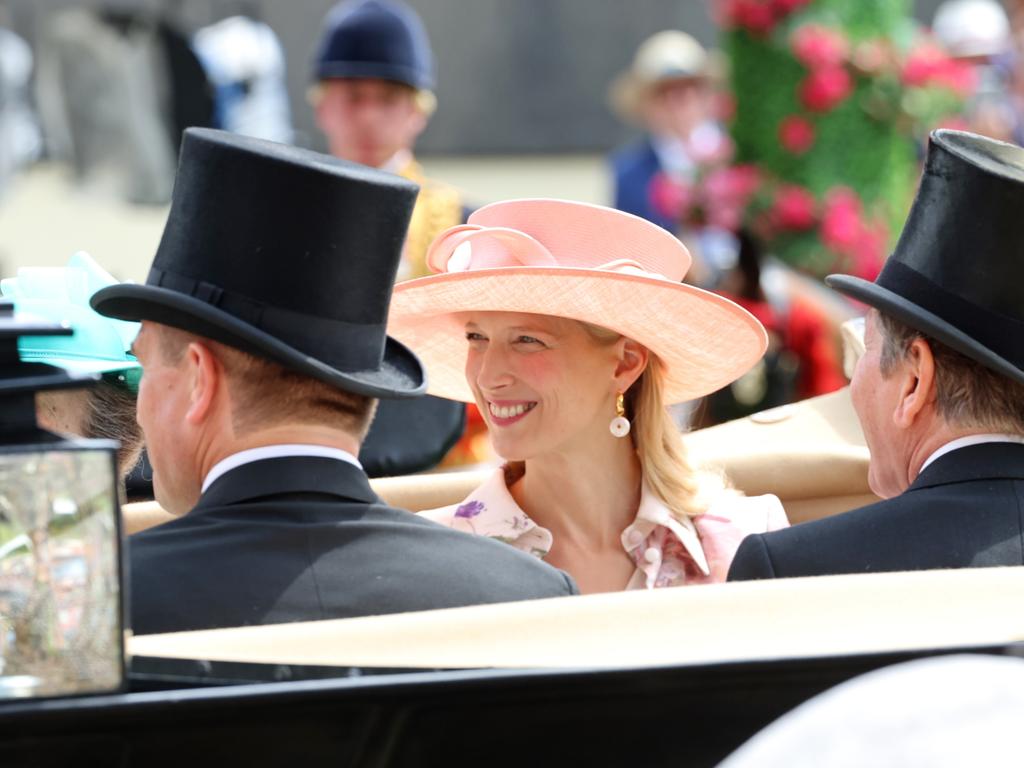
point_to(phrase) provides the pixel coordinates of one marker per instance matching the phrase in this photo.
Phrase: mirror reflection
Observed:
(60, 607)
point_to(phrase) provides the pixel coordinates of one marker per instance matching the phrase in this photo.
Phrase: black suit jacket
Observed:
(965, 510)
(304, 538)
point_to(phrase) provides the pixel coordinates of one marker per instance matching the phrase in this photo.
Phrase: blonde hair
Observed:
(664, 464)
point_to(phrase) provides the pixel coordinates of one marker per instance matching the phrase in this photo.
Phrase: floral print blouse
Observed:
(668, 550)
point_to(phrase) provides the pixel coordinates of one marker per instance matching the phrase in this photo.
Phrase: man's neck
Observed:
(932, 442)
(287, 434)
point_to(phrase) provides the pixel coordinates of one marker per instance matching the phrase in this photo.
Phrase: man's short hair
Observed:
(266, 393)
(967, 394)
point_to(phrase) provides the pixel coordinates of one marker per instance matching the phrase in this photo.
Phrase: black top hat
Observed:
(957, 273)
(284, 253)
(375, 38)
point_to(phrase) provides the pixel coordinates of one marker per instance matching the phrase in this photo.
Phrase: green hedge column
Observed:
(818, 90)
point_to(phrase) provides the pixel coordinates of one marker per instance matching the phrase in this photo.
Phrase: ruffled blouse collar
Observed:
(490, 510)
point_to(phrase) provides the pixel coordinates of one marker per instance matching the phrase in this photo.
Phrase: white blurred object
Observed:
(244, 60)
(970, 28)
(852, 333)
(20, 138)
(933, 713)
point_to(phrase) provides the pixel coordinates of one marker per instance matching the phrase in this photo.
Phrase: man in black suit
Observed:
(264, 348)
(939, 391)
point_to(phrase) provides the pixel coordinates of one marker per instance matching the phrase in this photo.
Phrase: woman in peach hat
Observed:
(569, 327)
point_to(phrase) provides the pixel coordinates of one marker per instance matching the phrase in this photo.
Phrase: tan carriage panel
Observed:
(786, 618)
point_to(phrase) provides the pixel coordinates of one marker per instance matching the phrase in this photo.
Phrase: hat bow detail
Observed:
(472, 247)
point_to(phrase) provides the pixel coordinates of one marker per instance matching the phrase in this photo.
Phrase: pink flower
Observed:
(794, 209)
(786, 7)
(928, 64)
(727, 217)
(823, 89)
(670, 197)
(818, 47)
(796, 134)
(756, 16)
(922, 64)
(958, 76)
(841, 224)
(733, 184)
(869, 251)
(726, 192)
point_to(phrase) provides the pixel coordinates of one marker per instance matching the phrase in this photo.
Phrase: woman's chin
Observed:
(508, 452)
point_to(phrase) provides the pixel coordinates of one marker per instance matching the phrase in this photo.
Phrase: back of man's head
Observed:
(264, 394)
(968, 396)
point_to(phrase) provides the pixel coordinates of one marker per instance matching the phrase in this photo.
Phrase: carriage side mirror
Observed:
(61, 605)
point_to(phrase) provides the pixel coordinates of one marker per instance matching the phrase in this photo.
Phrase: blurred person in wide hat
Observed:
(373, 96)
(668, 92)
(97, 345)
(570, 328)
(939, 390)
(264, 351)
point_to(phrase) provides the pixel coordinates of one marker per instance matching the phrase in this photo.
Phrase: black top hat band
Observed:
(347, 346)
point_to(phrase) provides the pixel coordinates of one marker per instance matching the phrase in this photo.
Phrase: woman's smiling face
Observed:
(544, 384)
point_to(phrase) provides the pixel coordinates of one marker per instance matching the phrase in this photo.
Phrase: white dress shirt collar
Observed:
(398, 162)
(963, 442)
(275, 452)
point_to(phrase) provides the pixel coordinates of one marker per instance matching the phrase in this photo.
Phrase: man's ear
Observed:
(418, 123)
(632, 361)
(206, 378)
(917, 389)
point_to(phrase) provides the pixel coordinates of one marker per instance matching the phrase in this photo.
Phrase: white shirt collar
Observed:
(275, 452)
(963, 442)
(398, 161)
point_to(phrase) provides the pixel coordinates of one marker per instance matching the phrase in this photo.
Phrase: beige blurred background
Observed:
(44, 218)
(522, 109)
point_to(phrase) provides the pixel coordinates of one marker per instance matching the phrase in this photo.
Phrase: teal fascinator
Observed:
(61, 294)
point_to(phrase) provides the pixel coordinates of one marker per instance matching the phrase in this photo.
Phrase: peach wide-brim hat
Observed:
(578, 261)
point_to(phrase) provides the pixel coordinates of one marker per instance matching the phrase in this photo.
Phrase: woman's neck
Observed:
(586, 499)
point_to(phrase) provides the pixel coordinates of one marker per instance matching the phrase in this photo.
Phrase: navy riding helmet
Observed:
(381, 39)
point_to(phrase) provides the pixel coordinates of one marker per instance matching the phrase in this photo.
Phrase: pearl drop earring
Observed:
(620, 424)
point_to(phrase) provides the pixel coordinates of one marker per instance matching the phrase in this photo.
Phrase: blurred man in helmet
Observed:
(373, 97)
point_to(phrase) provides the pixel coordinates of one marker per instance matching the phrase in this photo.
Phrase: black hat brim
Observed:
(400, 375)
(922, 320)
